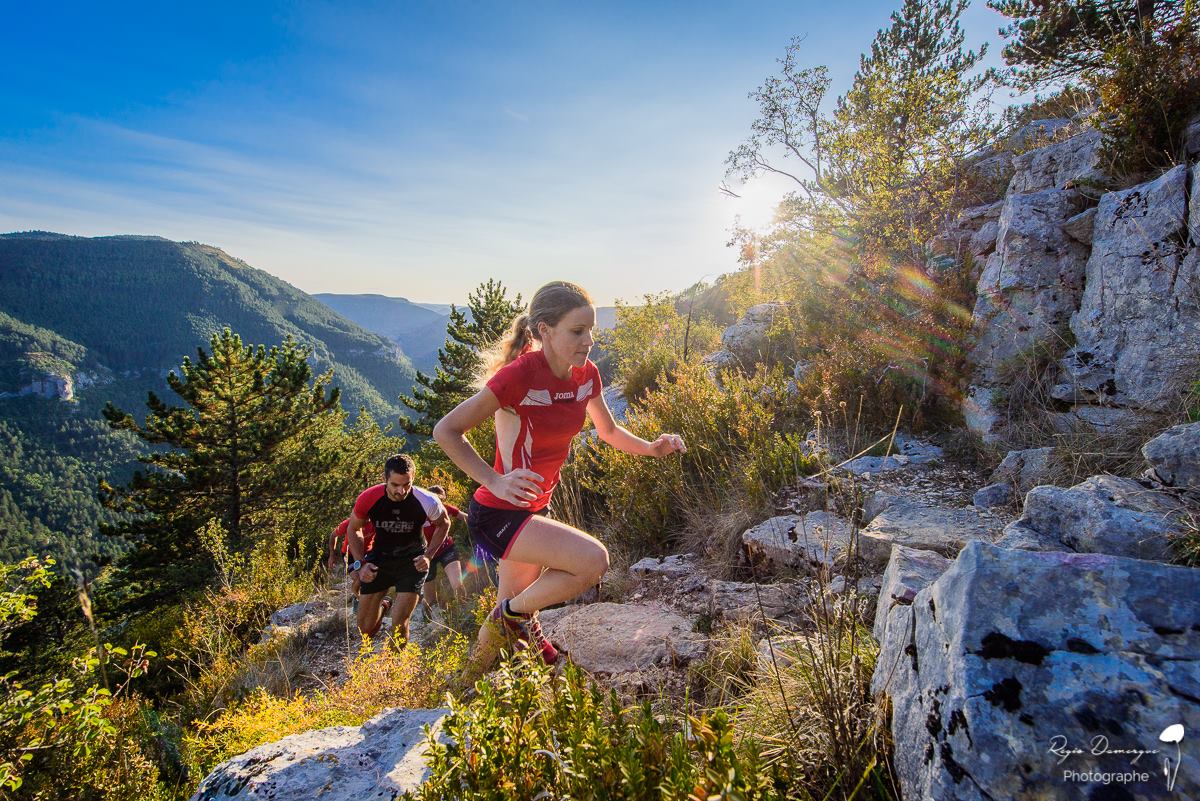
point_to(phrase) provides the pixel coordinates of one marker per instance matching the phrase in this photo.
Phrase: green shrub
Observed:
(412, 677)
(738, 455)
(530, 735)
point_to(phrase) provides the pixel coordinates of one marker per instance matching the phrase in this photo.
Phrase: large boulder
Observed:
(620, 638)
(1013, 663)
(1031, 284)
(916, 524)
(812, 542)
(384, 757)
(1062, 165)
(1137, 329)
(747, 338)
(1174, 457)
(1104, 514)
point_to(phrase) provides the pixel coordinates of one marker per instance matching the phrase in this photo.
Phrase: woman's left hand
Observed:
(666, 444)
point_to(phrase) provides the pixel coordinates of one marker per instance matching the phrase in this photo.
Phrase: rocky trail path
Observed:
(999, 624)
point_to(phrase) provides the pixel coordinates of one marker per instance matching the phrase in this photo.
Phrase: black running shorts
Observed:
(444, 558)
(399, 573)
(495, 529)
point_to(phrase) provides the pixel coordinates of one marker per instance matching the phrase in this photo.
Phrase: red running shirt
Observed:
(543, 413)
(368, 532)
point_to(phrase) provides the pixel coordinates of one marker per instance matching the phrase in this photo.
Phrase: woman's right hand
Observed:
(519, 487)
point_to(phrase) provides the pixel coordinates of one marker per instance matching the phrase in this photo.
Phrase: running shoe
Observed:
(525, 629)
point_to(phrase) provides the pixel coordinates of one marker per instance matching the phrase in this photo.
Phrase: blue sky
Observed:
(410, 149)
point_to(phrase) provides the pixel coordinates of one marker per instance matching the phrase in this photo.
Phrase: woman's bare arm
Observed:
(623, 440)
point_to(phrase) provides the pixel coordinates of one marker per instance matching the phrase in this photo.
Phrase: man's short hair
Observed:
(438, 490)
(398, 463)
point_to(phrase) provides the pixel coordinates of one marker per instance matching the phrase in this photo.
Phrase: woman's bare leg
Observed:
(573, 560)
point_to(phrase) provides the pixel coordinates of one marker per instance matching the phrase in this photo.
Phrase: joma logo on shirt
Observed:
(564, 396)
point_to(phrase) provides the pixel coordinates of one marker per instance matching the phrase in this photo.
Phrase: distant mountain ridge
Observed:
(139, 304)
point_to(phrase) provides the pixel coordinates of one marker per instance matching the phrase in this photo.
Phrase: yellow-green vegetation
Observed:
(79, 735)
(655, 337)
(740, 451)
(412, 678)
(529, 733)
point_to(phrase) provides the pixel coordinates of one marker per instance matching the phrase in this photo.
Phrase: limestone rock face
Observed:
(1138, 325)
(810, 542)
(747, 338)
(1174, 457)
(1009, 653)
(1062, 164)
(1032, 283)
(382, 758)
(1025, 469)
(909, 571)
(915, 524)
(1104, 514)
(620, 638)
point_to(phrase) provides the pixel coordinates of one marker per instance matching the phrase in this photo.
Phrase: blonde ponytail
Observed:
(548, 306)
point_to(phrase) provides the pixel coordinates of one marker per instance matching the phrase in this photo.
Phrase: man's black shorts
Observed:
(444, 558)
(399, 573)
(495, 529)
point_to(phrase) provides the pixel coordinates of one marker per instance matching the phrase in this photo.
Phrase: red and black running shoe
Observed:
(526, 629)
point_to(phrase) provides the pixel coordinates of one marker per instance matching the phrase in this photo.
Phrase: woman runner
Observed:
(539, 385)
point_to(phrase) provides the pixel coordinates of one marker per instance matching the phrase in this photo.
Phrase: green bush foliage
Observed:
(650, 340)
(75, 735)
(530, 735)
(1139, 57)
(739, 453)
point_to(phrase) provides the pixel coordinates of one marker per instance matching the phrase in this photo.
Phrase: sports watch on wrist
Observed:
(355, 565)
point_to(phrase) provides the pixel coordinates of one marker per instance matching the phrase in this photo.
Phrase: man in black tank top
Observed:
(399, 555)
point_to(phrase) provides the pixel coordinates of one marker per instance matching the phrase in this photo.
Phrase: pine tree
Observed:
(238, 451)
(491, 313)
(911, 115)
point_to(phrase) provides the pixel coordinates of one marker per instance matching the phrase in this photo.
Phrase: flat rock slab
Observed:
(931, 528)
(1011, 652)
(811, 542)
(382, 758)
(619, 638)
(676, 566)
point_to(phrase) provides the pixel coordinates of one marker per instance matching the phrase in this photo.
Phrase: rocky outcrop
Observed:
(1012, 663)
(1065, 165)
(1119, 283)
(746, 342)
(1032, 284)
(1137, 329)
(1104, 514)
(382, 758)
(923, 526)
(1174, 458)
(620, 638)
(813, 542)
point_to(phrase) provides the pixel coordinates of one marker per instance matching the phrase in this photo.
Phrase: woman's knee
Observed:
(595, 565)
